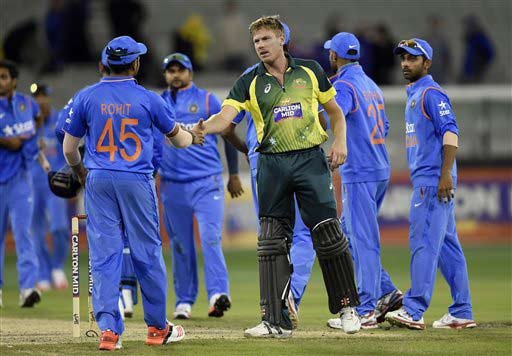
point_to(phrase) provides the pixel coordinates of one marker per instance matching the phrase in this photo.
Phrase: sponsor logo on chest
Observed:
(293, 110)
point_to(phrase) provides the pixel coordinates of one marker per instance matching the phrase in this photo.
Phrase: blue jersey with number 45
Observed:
(119, 117)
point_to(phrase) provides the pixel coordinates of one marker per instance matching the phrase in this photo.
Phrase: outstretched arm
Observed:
(220, 121)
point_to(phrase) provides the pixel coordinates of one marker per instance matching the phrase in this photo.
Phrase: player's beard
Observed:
(178, 84)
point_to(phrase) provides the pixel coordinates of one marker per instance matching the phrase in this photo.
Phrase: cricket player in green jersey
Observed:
(282, 94)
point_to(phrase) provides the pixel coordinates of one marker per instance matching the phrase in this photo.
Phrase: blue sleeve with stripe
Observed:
(438, 107)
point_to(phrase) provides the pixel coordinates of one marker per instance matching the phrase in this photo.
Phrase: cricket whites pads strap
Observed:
(64, 183)
(275, 271)
(332, 249)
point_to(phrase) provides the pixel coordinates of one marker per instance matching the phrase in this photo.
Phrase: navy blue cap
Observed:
(179, 58)
(345, 44)
(287, 33)
(416, 47)
(124, 50)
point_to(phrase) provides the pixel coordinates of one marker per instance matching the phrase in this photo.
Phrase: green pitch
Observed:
(46, 329)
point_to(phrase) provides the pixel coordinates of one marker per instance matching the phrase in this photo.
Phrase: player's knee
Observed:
(328, 239)
(273, 237)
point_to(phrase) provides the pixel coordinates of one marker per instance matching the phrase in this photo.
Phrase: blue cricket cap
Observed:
(104, 57)
(416, 47)
(287, 33)
(178, 58)
(124, 50)
(345, 44)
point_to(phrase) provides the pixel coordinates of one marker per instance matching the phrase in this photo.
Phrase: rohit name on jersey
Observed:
(289, 111)
(410, 135)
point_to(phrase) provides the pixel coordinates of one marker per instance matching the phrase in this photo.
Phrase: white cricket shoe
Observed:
(348, 321)
(183, 311)
(44, 285)
(29, 297)
(293, 311)
(128, 302)
(121, 306)
(448, 321)
(59, 279)
(403, 319)
(369, 321)
(266, 330)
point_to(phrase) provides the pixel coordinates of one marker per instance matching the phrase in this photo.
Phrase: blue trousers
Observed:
(50, 212)
(203, 198)
(302, 254)
(16, 202)
(128, 277)
(433, 243)
(117, 204)
(361, 204)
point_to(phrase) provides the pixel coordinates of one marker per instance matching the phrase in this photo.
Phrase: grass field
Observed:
(46, 329)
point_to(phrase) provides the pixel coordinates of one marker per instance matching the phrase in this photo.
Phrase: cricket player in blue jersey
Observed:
(302, 254)
(364, 177)
(51, 210)
(118, 117)
(18, 147)
(431, 141)
(194, 175)
(128, 278)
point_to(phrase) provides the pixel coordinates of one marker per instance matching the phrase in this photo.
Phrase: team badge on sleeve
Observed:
(444, 109)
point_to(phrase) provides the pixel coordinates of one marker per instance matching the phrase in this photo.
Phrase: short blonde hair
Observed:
(268, 22)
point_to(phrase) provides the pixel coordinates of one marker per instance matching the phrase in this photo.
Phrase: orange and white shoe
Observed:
(59, 279)
(172, 333)
(403, 319)
(110, 341)
(448, 321)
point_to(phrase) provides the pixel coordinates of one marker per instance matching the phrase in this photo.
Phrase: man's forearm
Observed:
(339, 127)
(449, 153)
(216, 124)
(230, 135)
(70, 150)
(181, 139)
(11, 143)
(450, 144)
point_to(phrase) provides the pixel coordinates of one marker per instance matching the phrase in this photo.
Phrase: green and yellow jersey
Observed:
(285, 117)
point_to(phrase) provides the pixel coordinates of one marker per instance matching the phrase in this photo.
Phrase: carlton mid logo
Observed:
(293, 110)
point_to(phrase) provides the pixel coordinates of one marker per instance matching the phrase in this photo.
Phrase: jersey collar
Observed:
(118, 79)
(344, 68)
